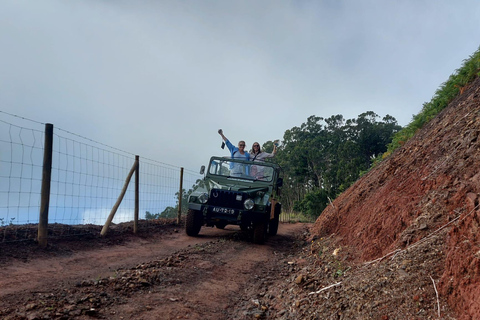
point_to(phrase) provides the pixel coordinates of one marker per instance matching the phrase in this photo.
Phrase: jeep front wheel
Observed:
(193, 223)
(273, 224)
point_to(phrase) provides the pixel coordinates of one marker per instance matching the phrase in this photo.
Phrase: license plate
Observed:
(223, 210)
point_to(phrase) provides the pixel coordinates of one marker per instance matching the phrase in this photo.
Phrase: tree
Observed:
(149, 216)
(313, 203)
(172, 212)
(324, 156)
(169, 212)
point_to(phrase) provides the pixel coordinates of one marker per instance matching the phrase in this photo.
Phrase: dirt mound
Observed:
(427, 191)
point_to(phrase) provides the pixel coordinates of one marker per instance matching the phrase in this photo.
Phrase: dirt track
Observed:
(165, 276)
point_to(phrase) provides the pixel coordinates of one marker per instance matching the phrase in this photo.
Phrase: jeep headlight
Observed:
(203, 198)
(260, 194)
(248, 204)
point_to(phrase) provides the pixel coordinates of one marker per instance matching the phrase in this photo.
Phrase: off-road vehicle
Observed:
(236, 192)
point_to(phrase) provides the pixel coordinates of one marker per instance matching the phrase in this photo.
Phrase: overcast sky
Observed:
(159, 78)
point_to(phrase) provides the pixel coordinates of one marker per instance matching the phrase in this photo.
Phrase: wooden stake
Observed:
(119, 200)
(180, 196)
(46, 181)
(137, 191)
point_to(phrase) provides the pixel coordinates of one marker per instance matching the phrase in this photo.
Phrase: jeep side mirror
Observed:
(279, 182)
(202, 169)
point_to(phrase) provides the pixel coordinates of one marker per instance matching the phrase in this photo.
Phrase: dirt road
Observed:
(163, 276)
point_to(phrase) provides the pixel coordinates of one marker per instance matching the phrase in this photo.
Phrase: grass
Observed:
(296, 217)
(450, 89)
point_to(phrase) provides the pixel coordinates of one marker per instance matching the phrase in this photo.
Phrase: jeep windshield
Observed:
(241, 169)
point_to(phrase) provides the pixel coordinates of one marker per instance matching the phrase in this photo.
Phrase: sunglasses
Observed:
(241, 145)
(256, 145)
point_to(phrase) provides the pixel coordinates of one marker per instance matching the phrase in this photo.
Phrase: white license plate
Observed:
(223, 210)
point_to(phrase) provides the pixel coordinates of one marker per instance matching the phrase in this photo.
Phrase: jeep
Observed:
(236, 192)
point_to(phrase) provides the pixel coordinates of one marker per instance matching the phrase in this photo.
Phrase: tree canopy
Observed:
(323, 157)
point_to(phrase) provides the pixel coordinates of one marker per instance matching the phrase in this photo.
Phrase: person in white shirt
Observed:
(256, 154)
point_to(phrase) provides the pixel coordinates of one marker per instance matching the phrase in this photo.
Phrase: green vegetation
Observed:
(323, 157)
(172, 212)
(443, 96)
(296, 216)
(3, 223)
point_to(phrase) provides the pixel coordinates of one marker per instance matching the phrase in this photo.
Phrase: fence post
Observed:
(180, 196)
(119, 200)
(137, 183)
(46, 181)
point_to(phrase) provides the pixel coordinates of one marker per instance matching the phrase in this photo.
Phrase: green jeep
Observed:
(236, 192)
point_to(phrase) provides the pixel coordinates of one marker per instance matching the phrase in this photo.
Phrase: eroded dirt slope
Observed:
(425, 194)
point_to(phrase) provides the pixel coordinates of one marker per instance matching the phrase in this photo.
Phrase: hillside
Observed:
(423, 200)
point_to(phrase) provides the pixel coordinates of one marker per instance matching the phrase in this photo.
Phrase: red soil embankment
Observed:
(433, 181)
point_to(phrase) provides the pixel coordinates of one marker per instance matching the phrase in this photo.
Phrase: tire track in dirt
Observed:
(167, 277)
(217, 276)
(77, 265)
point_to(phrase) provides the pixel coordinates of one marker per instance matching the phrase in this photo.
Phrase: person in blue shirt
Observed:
(235, 152)
(239, 152)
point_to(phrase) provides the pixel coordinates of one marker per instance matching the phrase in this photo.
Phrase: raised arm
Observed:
(274, 152)
(220, 132)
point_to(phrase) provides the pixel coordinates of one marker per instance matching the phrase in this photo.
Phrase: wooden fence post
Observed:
(119, 200)
(137, 183)
(46, 181)
(180, 196)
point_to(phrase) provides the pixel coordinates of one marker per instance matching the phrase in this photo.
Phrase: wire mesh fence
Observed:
(21, 151)
(86, 180)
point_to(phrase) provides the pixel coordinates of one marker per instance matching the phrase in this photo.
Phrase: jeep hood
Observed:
(234, 186)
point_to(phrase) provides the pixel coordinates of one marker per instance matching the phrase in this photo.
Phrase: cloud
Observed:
(158, 78)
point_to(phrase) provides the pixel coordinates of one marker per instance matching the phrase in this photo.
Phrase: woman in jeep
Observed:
(256, 154)
(237, 169)
(235, 153)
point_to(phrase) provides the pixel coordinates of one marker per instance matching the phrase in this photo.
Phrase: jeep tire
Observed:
(273, 224)
(193, 223)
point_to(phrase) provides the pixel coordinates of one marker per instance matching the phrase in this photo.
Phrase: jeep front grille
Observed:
(226, 198)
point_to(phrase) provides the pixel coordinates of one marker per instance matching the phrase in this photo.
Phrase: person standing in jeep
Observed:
(256, 154)
(236, 153)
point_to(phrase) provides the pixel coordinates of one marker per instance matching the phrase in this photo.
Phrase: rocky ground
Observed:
(158, 274)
